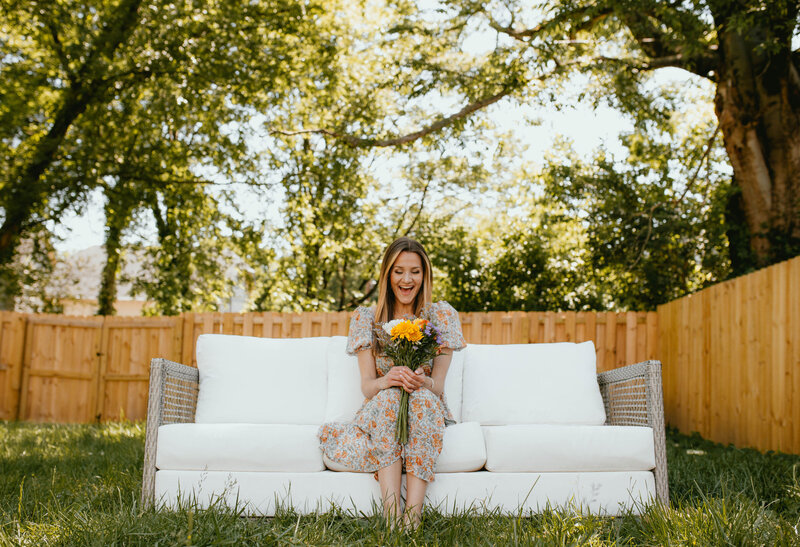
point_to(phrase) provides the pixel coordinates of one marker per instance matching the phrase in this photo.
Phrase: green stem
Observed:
(401, 430)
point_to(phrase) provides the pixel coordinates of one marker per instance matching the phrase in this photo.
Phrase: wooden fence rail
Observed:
(79, 369)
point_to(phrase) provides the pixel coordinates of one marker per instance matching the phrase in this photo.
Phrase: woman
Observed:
(368, 443)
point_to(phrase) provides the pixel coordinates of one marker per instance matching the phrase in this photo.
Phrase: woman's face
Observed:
(406, 277)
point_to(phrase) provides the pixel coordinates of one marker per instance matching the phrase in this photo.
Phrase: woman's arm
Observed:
(396, 377)
(370, 383)
(440, 365)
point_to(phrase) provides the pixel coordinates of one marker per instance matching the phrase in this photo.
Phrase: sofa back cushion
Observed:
(344, 383)
(532, 384)
(261, 380)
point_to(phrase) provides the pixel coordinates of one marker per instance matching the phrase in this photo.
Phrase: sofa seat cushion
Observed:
(244, 379)
(239, 447)
(532, 384)
(546, 448)
(463, 450)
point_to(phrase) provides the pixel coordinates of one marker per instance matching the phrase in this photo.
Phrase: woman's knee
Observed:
(422, 398)
(389, 395)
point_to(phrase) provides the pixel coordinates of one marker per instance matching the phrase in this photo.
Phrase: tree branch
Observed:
(354, 302)
(419, 210)
(59, 50)
(659, 45)
(594, 17)
(678, 60)
(405, 139)
(675, 202)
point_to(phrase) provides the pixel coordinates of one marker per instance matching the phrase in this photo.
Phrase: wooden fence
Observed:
(79, 369)
(731, 357)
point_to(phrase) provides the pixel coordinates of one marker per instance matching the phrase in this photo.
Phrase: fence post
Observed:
(187, 353)
(12, 334)
(177, 339)
(27, 348)
(101, 364)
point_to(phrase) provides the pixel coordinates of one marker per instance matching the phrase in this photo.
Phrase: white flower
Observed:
(389, 325)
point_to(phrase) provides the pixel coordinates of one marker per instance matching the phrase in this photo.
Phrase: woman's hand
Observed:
(405, 378)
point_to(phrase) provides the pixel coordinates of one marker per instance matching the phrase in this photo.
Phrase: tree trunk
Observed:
(118, 216)
(758, 106)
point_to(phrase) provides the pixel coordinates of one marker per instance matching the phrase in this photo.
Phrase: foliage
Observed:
(187, 269)
(45, 278)
(104, 93)
(654, 223)
(171, 109)
(342, 203)
(613, 48)
(328, 245)
(79, 485)
(528, 265)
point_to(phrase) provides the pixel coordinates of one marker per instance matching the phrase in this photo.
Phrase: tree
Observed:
(527, 265)
(69, 64)
(649, 237)
(328, 245)
(742, 47)
(190, 266)
(45, 277)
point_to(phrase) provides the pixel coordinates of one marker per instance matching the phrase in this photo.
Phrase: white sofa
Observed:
(537, 427)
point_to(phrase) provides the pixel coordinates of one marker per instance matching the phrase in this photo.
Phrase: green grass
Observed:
(79, 485)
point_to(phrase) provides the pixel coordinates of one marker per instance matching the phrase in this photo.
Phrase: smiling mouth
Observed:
(406, 290)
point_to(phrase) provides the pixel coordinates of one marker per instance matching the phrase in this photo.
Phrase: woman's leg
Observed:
(389, 478)
(415, 497)
(425, 434)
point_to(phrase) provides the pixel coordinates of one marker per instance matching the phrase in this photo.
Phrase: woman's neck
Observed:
(401, 310)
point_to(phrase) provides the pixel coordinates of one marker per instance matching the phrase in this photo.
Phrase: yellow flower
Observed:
(406, 330)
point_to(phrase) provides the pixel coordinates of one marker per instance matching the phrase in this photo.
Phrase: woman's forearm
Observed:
(371, 386)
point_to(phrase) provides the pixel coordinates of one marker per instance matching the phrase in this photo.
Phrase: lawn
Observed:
(79, 485)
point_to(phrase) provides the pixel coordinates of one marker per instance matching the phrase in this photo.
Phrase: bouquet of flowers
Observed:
(409, 343)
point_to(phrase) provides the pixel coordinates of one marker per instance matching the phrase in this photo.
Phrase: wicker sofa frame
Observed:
(632, 396)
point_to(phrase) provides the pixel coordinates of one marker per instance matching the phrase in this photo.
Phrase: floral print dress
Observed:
(368, 442)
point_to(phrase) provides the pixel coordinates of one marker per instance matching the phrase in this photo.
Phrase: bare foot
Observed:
(411, 520)
(394, 522)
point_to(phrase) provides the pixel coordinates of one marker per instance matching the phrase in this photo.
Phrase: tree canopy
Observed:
(359, 122)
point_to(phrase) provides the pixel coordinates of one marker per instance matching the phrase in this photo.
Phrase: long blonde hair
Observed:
(384, 310)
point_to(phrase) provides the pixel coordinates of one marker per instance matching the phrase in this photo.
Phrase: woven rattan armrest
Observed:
(633, 395)
(172, 399)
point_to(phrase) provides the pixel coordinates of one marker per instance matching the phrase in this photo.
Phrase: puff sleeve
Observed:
(445, 318)
(359, 336)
